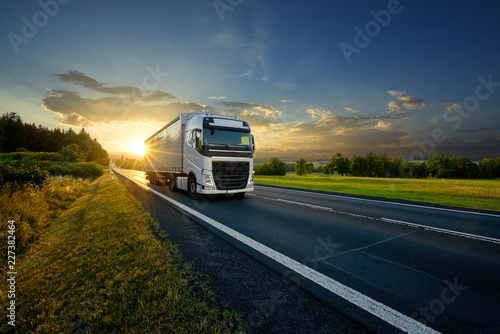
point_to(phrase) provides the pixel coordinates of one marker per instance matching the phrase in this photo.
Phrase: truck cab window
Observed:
(197, 134)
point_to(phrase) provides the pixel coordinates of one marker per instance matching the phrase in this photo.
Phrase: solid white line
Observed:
(384, 202)
(366, 303)
(386, 220)
(442, 230)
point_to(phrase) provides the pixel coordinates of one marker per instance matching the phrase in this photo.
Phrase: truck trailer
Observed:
(202, 154)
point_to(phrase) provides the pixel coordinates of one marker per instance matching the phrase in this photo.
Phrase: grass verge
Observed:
(99, 269)
(34, 208)
(473, 194)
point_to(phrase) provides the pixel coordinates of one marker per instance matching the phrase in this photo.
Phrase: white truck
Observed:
(202, 154)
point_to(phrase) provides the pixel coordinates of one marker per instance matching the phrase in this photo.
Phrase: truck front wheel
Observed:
(192, 187)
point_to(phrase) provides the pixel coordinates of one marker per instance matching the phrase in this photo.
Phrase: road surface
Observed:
(392, 266)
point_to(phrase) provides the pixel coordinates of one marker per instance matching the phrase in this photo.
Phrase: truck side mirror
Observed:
(253, 144)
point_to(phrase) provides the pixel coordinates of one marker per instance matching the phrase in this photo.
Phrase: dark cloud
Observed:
(404, 102)
(353, 122)
(122, 105)
(80, 79)
(79, 111)
(486, 147)
(480, 130)
(336, 122)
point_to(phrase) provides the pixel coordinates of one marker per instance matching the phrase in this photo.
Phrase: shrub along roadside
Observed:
(37, 166)
(100, 269)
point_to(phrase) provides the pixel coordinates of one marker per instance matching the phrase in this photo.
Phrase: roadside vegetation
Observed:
(36, 187)
(380, 166)
(34, 208)
(17, 136)
(474, 194)
(36, 167)
(99, 268)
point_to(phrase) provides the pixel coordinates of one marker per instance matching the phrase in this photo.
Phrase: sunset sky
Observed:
(409, 78)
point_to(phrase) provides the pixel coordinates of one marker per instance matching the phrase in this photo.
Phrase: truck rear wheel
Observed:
(192, 187)
(171, 183)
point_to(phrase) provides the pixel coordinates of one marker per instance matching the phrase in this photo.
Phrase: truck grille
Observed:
(230, 175)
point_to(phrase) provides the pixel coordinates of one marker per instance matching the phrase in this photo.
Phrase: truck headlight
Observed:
(208, 179)
(250, 179)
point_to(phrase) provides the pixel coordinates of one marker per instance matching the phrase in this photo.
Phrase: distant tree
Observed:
(418, 170)
(375, 164)
(359, 166)
(463, 168)
(277, 167)
(303, 168)
(262, 169)
(310, 168)
(338, 164)
(440, 166)
(397, 168)
(489, 168)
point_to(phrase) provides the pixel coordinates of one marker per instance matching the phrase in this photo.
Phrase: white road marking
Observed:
(385, 220)
(387, 202)
(442, 230)
(382, 311)
(312, 206)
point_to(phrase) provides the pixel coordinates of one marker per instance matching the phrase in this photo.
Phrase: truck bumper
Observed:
(203, 190)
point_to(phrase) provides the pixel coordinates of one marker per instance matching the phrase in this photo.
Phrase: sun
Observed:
(137, 147)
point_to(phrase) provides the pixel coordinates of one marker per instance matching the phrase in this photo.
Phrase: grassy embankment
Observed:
(99, 268)
(474, 194)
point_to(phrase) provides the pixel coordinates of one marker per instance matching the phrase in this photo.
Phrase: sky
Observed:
(409, 78)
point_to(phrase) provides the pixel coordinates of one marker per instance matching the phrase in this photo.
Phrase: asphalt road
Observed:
(391, 266)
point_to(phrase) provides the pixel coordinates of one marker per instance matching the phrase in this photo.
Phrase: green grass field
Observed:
(474, 194)
(99, 269)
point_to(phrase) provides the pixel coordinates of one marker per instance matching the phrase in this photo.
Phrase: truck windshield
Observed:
(227, 140)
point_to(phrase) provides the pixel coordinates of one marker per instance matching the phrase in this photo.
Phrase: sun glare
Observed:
(137, 147)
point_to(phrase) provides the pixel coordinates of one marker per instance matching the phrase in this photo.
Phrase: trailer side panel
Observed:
(164, 149)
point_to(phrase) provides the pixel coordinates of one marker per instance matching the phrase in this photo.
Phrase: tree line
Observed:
(379, 165)
(17, 136)
(134, 164)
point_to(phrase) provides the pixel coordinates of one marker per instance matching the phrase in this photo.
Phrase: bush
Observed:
(87, 170)
(22, 173)
(274, 167)
(36, 167)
